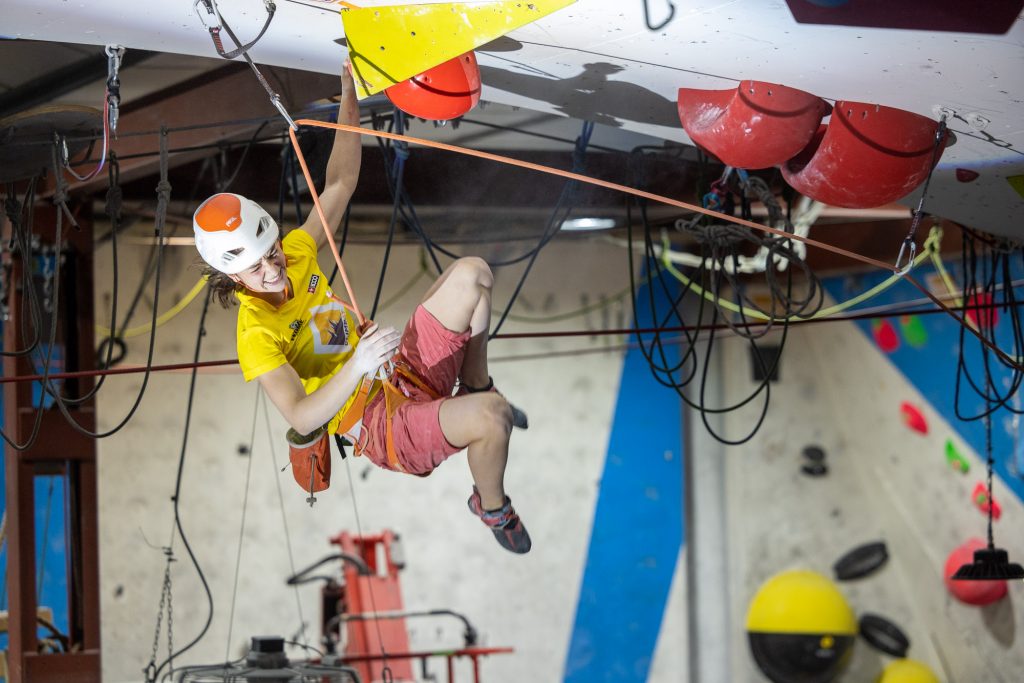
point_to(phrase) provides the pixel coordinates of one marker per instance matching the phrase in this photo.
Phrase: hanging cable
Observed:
(563, 208)
(59, 199)
(401, 150)
(21, 239)
(153, 671)
(241, 526)
(987, 271)
(284, 519)
(717, 272)
(163, 190)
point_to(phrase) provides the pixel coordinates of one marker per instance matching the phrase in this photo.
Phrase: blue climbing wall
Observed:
(638, 527)
(929, 362)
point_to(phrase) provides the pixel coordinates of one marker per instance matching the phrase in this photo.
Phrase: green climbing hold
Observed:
(913, 331)
(955, 459)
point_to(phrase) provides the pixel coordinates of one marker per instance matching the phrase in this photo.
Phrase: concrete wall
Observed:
(568, 387)
(885, 482)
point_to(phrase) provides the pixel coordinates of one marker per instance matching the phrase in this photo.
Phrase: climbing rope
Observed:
(163, 190)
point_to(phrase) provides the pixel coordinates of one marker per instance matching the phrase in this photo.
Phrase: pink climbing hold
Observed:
(913, 418)
(977, 593)
(885, 334)
(981, 311)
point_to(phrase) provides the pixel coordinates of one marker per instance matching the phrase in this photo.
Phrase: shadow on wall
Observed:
(1000, 621)
(590, 95)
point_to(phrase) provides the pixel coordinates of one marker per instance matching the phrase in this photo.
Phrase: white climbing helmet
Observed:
(232, 232)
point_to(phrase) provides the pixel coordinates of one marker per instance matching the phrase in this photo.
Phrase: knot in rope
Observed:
(719, 235)
(163, 191)
(60, 194)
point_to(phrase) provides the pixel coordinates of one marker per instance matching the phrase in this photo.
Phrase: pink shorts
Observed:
(435, 354)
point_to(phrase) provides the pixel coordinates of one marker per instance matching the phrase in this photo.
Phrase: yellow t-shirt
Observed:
(311, 332)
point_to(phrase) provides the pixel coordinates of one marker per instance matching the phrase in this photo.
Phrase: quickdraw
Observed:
(215, 28)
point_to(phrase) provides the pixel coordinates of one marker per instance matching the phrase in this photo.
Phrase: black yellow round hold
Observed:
(800, 628)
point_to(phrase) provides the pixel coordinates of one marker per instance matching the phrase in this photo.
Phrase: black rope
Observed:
(21, 237)
(60, 195)
(176, 498)
(401, 154)
(986, 264)
(163, 190)
(563, 208)
(720, 278)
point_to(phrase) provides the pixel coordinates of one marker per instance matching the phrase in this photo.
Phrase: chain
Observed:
(165, 599)
(170, 623)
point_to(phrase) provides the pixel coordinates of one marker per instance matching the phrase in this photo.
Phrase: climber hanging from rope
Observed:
(329, 371)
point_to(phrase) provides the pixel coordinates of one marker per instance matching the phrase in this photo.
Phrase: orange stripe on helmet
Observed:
(221, 212)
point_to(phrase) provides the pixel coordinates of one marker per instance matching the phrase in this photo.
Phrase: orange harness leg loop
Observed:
(355, 410)
(394, 398)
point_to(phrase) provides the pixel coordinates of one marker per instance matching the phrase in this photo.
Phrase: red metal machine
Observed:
(363, 614)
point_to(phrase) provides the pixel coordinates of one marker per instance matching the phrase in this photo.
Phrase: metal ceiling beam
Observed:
(64, 80)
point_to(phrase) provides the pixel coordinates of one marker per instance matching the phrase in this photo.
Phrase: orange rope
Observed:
(619, 188)
(327, 230)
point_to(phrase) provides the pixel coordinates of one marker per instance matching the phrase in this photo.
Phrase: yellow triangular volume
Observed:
(388, 45)
(1017, 183)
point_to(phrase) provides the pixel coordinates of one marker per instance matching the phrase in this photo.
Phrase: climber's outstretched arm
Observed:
(342, 166)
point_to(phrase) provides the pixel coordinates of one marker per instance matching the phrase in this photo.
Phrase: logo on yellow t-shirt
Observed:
(329, 327)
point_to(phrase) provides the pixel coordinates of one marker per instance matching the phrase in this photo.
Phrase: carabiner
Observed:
(209, 10)
(901, 271)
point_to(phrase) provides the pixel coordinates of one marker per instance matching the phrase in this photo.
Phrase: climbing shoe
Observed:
(504, 523)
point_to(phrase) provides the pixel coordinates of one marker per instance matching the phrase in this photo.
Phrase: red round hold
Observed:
(440, 93)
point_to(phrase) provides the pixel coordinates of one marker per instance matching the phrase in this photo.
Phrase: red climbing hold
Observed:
(983, 503)
(440, 93)
(966, 175)
(868, 155)
(756, 125)
(913, 418)
(885, 335)
(978, 593)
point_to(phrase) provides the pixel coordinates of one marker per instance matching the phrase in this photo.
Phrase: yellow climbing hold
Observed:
(388, 45)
